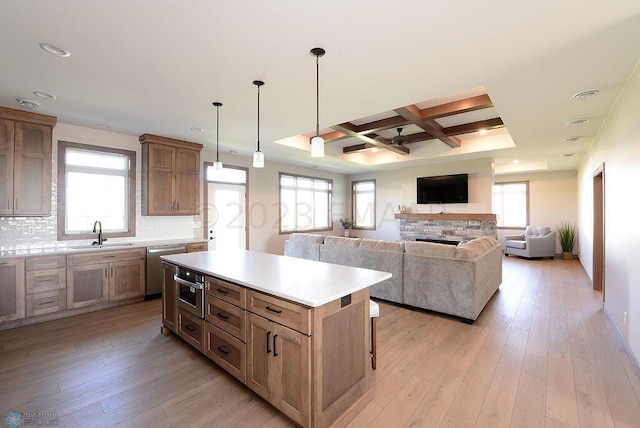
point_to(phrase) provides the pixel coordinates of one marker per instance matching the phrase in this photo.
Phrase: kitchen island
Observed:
(294, 331)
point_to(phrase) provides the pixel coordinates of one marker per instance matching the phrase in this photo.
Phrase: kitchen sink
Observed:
(110, 245)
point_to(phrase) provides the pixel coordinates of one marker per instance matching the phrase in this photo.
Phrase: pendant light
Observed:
(317, 142)
(258, 156)
(217, 165)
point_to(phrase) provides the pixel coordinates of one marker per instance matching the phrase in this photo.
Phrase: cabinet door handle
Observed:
(275, 311)
(108, 257)
(178, 206)
(222, 291)
(111, 272)
(275, 353)
(190, 327)
(222, 315)
(45, 281)
(224, 351)
(268, 337)
(46, 303)
(105, 272)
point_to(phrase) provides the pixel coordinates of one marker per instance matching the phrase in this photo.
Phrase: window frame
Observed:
(354, 203)
(329, 227)
(526, 183)
(62, 188)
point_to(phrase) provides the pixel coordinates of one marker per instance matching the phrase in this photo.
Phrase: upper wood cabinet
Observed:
(170, 176)
(25, 163)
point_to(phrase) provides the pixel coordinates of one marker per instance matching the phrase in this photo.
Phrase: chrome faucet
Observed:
(97, 226)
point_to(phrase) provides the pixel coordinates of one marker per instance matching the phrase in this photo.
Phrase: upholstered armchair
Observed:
(533, 242)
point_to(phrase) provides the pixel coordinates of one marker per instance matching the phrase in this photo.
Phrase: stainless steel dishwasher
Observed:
(155, 272)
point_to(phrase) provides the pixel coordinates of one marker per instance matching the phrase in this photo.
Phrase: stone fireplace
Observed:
(446, 227)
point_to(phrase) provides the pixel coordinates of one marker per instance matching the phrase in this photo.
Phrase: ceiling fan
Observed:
(399, 139)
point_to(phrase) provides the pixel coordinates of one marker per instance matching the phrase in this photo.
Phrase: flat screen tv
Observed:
(443, 189)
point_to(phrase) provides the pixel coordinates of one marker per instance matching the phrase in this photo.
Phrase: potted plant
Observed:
(567, 236)
(347, 225)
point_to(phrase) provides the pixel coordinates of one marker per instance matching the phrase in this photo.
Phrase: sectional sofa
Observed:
(456, 280)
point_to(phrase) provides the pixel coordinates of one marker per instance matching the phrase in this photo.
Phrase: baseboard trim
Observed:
(620, 336)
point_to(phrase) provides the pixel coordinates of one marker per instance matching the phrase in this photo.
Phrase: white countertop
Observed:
(66, 247)
(306, 282)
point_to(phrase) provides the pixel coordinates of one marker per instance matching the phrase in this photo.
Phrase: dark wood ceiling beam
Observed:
(382, 124)
(357, 148)
(468, 128)
(457, 107)
(412, 114)
(332, 136)
(378, 141)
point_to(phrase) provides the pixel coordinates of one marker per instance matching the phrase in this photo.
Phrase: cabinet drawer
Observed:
(105, 256)
(226, 316)
(46, 303)
(46, 280)
(40, 263)
(200, 246)
(286, 313)
(226, 351)
(223, 290)
(191, 329)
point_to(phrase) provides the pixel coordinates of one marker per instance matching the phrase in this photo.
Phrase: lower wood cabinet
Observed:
(169, 299)
(104, 276)
(12, 289)
(227, 351)
(46, 285)
(46, 302)
(191, 329)
(278, 367)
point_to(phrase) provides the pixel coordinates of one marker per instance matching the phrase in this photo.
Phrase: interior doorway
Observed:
(598, 230)
(225, 207)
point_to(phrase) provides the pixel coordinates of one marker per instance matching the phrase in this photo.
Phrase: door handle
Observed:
(224, 351)
(222, 315)
(275, 311)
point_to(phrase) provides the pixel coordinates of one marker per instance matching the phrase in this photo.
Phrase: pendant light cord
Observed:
(317, 96)
(258, 117)
(217, 133)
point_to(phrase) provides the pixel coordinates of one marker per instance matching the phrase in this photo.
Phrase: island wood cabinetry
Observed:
(46, 285)
(312, 363)
(170, 176)
(12, 289)
(98, 277)
(25, 163)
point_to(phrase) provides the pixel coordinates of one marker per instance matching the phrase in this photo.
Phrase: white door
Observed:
(227, 216)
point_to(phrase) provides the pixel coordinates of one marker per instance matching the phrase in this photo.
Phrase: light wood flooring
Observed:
(542, 354)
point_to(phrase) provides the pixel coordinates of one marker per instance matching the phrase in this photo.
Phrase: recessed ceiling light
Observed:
(515, 161)
(572, 139)
(54, 50)
(196, 129)
(577, 122)
(586, 94)
(28, 103)
(482, 131)
(44, 95)
(566, 155)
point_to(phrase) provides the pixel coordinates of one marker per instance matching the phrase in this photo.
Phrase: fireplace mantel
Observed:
(446, 216)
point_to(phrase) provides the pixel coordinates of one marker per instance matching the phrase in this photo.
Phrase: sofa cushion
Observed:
(512, 243)
(375, 244)
(429, 249)
(339, 241)
(487, 242)
(469, 250)
(306, 237)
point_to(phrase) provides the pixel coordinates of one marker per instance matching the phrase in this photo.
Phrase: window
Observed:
(511, 204)
(363, 204)
(305, 203)
(95, 184)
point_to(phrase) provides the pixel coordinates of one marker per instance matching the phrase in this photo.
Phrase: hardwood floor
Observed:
(542, 354)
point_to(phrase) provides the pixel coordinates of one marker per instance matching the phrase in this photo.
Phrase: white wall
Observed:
(617, 146)
(398, 187)
(262, 200)
(552, 199)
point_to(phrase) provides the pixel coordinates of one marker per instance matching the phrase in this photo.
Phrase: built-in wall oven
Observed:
(190, 290)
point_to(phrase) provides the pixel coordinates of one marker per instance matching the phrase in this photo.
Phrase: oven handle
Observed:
(197, 285)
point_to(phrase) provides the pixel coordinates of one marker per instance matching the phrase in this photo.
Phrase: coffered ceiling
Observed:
(464, 80)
